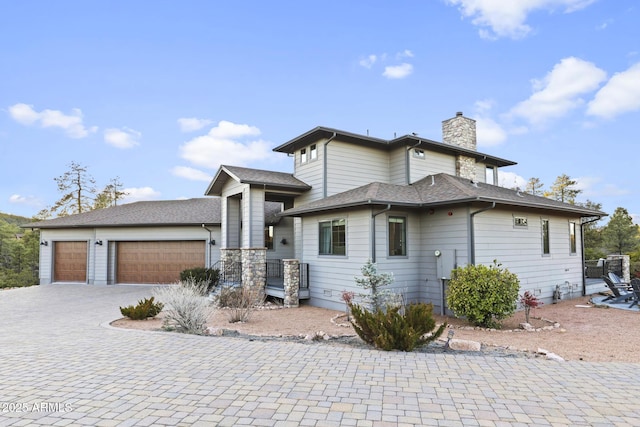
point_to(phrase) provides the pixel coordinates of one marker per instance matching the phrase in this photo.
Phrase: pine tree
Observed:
(563, 190)
(620, 235)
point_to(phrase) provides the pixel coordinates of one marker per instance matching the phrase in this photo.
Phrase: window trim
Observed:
(303, 155)
(335, 222)
(520, 226)
(269, 230)
(313, 152)
(573, 238)
(545, 236)
(493, 175)
(403, 240)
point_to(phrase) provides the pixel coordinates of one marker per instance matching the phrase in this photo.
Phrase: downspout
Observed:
(324, 165)
(407, 169)
(472, 233)
(584, 267)
(373, 231)
(210, 240)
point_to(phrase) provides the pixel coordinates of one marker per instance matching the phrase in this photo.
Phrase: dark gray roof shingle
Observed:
(151, 213)
(268, 179)
(434, 190)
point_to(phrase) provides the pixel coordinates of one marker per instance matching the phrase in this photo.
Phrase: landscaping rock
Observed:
(464, 345)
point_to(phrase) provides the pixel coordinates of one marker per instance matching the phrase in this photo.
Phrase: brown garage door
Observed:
(157, 262)
(70, 262)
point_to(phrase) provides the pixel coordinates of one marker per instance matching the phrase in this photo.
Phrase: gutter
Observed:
(584, 269)
(407, 160)
(472, 233)
(324, 165)
(373, 230)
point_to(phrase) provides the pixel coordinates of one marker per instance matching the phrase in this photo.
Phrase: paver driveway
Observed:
(59, 366)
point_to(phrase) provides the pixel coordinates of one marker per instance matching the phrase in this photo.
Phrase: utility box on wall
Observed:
(445, 263)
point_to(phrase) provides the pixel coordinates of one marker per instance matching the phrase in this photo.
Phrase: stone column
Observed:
(230, 259)
(291, 283)
(254, 270)
(626, 265)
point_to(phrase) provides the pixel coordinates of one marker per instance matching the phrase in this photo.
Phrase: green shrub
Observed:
(145, 308)
(13, 279)
(482, 294)
(210, 276)
(391, 329)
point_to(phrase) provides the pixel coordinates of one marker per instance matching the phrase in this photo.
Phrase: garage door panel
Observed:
(157, 261)
(70, 262)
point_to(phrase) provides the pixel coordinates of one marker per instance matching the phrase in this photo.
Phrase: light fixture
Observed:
(283, 241)
(99, 242)
(212, 242)
(44, 243)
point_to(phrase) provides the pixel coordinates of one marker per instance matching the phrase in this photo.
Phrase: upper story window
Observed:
(313, 152)
(303, 155)
(490, 175)
(332, 237)
(397, 236)
(418, 153)
(546, 250)
(268, 237)
(573, 248)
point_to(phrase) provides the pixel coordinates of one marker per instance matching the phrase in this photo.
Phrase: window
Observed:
(397, 236)
(572, 238)
(418, 153)
(303, 155)
(545, 237)
(520, 221)
(490, 177)
(332, 237)
(313, 152)
(268, 237)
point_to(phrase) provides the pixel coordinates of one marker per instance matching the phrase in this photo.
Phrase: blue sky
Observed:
(161, 93)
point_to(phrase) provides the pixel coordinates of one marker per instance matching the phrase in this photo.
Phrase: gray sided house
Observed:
(418, 208)
(142, 242)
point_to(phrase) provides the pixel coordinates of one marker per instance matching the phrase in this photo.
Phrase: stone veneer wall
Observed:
(254, 270)
(466, 167)
(461, 131)
(229, 257)
(626, 265)
(291, 282)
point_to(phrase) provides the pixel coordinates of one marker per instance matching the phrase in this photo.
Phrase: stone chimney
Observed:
(461, 131)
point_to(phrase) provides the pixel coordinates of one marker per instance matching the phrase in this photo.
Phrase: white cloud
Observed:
(25, 200)
(191, 173)
(560, 90)
(137, 194)
(191, 124)
(368, 61)
(398, 71)
(122, 138)
(226, 143)
(488, 132)
(500, 18)
(511, 180)
(70, 123)
(404, 54)
(621, 94)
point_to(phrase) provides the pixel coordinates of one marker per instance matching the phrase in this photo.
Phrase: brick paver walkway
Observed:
(60, 367)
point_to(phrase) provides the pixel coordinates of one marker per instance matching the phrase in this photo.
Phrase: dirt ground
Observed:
(585, 332)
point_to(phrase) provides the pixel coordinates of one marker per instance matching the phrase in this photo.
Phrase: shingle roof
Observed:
(325, 133)
(268, 179)
(152, 213)
(434, 190)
